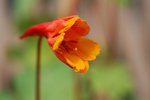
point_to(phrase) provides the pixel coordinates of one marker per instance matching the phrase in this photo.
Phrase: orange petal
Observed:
(58, 41)
(69, 17)
(87, 49)
(86, 67)
(59, 55)
(70, 22)
(36, 30)
(76, 62)
(55, 27)
(80, 28)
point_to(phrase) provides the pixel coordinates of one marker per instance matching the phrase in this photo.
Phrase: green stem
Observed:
(38, 69)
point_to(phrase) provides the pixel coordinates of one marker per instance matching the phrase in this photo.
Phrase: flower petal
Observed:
(69, 17)
(58, 41)
(70, 22)
(80, 28)
(55, 26)
(87, 49)
(76, 62)
(49, 29)
(86, 67)
(36, 30)
(59, 55)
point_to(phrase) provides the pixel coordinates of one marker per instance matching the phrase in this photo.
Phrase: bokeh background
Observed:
(120, 72)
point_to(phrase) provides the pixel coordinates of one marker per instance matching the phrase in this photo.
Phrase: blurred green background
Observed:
(118, 73)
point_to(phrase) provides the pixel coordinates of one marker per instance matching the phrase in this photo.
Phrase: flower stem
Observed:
(38, 69)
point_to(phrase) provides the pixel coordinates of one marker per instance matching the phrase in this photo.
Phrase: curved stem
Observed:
(38, 69)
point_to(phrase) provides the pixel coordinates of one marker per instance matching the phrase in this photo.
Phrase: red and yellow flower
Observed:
(64, 37)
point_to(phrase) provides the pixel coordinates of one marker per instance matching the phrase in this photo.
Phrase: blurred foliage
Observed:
(56, 76)
(24, 16)
(22, 8)
(111, 79)
(124, 3)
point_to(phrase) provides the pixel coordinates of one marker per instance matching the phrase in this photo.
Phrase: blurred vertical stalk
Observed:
(77, 87)
(7, 69)
(38, 69)
(67, 7)
(75, 5)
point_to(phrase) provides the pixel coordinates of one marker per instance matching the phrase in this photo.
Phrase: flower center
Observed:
(69, 46)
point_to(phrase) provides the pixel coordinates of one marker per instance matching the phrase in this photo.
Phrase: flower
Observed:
(64, 37)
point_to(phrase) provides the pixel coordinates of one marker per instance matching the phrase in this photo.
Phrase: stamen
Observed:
(69, 47)
(75, 49)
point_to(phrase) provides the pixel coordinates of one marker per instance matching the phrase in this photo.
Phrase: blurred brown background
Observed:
(121, 72)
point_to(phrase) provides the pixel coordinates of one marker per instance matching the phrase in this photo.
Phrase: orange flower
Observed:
(64, 38)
